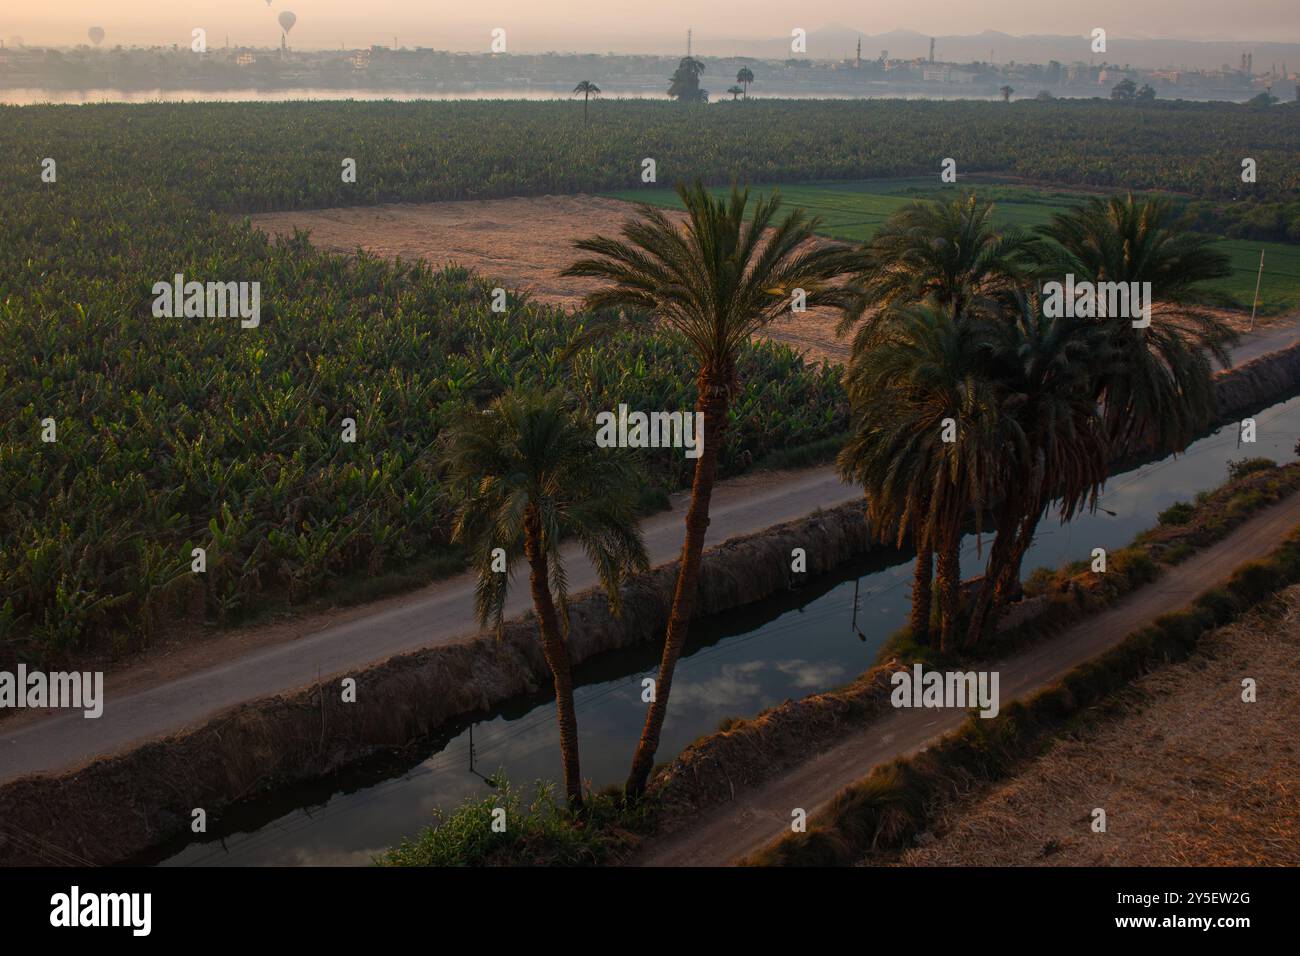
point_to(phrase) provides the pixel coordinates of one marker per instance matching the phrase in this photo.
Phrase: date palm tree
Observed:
(735, 92)
(533, 476)
(1159, 392)
(951, 252)
(1006, 92)
(927, 436)
(714, 280)
(587, 90)
(745, 76)
(1045, 367)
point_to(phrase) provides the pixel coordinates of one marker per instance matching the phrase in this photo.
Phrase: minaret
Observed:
(688, 42)
(931, 49)
(858, 62)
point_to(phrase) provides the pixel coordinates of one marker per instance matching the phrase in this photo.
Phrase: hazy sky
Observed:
(601, 25)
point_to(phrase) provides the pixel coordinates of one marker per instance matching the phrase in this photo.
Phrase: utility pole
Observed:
(1258, 277)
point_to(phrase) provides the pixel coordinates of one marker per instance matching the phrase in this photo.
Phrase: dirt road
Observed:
(763, 815)
(137, 710)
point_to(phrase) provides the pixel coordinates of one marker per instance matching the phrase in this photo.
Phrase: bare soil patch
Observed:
(524, 243)
(1189, 774)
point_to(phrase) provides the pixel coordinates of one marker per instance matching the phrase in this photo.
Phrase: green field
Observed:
(853, 211)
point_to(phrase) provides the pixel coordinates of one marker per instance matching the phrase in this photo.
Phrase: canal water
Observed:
(793, 644)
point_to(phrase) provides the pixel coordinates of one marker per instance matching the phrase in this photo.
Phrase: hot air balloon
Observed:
(96, 35)
(287, 20)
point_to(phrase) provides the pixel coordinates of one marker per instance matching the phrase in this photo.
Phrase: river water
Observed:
(28, 96)
(791, 645)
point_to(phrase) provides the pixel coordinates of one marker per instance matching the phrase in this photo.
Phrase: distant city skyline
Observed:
(594, 26)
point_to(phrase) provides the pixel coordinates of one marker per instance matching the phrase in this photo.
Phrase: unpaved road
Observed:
(438, 614)
(757, 818)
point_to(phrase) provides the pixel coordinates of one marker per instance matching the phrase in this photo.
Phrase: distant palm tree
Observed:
(533, 476)
(745, 76)
(1006, 92)
(735, 92)
(685, 82)
(715, 281)
(588, 89)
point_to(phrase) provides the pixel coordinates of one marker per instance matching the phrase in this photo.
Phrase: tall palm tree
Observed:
(951, 252)
(588, 89)
(1159, 393)
(715, 280)
(532, 476)
(927, 435)
(1046, 367)
(745, 76)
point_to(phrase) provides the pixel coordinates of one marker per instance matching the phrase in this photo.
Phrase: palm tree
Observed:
(745, 76)
(735, 92)
(1159, 393)
(588, 89)
(948, 251)
(926, 437)
(1006, 92)
(1046, 368)
(532, 477)
(685, 83)
(715, 281)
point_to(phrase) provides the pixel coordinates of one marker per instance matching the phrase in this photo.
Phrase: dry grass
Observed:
(523, 242)
(1188, 774)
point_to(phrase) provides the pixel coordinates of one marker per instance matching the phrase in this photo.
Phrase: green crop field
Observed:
(173, 432)
(853, 211)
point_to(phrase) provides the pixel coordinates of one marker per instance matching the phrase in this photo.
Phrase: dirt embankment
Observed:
(1257, 383)
(1189, 774)
(120, 805)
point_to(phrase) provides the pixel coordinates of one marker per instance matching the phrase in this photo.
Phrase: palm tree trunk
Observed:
(1009, 581)
(948, 578)
(713, 401)
(922, 591)
(557, 656)
(585, 97)
(984, 616)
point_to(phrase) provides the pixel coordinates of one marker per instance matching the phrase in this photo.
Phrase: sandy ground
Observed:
(526, 242)
(1188, 774)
